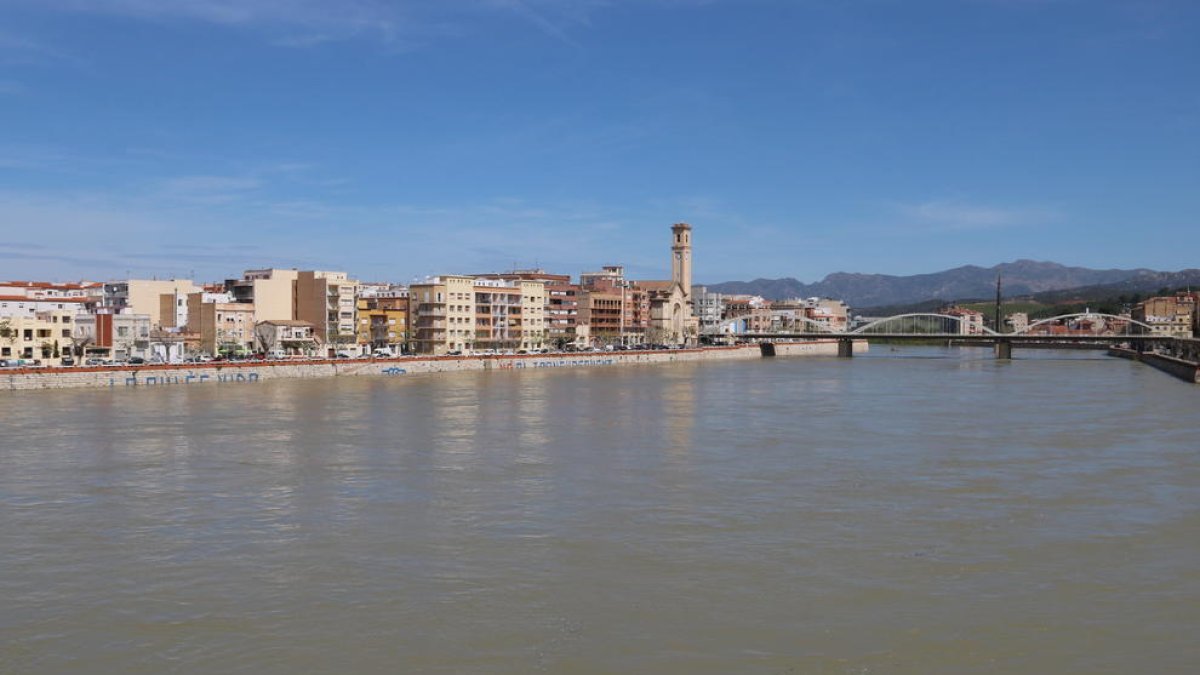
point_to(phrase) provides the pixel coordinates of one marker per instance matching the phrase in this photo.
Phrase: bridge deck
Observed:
(1004, 337)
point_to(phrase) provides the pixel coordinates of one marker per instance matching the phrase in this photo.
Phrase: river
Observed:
(919, 510)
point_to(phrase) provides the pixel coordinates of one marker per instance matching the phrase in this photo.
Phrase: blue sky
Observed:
(401, 138)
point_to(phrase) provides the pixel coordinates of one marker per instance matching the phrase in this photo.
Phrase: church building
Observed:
(672, 319)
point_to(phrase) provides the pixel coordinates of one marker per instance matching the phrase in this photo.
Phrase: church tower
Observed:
(681, 259)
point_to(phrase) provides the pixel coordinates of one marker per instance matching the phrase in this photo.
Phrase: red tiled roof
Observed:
(22, 298)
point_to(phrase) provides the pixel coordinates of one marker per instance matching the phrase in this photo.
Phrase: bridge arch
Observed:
(740, 325)
(1143, 328)
(920, 319)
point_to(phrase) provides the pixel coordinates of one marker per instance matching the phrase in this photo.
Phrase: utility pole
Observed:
(999, 327)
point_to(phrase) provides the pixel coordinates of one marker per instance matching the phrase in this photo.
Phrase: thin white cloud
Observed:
(959, 215)
(303, 21)
(308, 23)
(20, 50)
(103, 234)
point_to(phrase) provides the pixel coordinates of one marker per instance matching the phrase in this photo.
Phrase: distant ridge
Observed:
(1021, 278)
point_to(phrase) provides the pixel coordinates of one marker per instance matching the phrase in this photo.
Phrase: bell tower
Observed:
(681, 259)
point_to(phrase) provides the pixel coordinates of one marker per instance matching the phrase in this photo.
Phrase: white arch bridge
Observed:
(1080, 328)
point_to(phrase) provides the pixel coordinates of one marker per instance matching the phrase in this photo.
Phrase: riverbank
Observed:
(1188, 371)
(249, 372)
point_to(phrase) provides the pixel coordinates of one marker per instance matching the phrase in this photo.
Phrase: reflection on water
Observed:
(918, 510)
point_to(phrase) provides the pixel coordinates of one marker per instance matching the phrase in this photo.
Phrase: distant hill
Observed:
(1021, 278)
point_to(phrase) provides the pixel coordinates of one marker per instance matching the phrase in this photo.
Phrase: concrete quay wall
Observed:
(250, 372)
(1188, 371)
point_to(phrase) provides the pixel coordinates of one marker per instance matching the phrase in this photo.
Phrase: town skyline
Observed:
(195, 137)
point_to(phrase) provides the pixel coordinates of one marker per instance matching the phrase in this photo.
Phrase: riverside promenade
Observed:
(250, 372)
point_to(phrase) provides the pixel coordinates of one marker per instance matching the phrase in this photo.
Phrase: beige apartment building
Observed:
(457, 313)
(145, 296)
(1168, 315)
(271, 291)
(46, 337)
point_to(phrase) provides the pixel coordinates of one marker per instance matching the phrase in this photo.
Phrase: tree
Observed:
(264, 337)
(80, 340)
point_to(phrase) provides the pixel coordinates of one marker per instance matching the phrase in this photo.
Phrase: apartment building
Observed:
(442, 314)
(383, 320)
(561, 311)
(223, 327)
(600, 309)
(1017, 322)
(462, 313)
(970, 322)
(709, 307)
(272, 292)
(46, 337)
(327, 301)
(145, 296)
(286, 335)
(597, 290)
(1168, 315)
(116, 336)
(90, 290)
(816, 313)
(13, 306)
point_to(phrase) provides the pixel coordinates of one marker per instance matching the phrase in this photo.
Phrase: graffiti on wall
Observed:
(177, 378)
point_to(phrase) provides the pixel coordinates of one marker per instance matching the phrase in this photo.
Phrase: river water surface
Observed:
(911, 511)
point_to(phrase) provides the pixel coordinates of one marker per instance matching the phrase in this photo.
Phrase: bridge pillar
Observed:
(846, 347)
(1003, 349)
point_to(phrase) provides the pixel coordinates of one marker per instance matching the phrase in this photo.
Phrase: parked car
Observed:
(136, 361)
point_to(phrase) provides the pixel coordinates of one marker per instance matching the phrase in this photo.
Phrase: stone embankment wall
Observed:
(249, 372)
(812, 348)
(1188, 371)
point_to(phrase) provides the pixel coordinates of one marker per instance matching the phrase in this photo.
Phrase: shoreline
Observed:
(249, 372)
(1188, 371)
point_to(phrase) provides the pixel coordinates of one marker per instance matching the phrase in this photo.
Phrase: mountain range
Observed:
(970, 282)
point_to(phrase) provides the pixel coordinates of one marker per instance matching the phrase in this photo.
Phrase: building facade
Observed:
(1168, 315)
(223, 328)
(114, 336)
(145, 296)
(458, 314)
(289, 336)
(46, 337)
(272, 292)
(383, 321)
(672, 315)
(327, 301)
